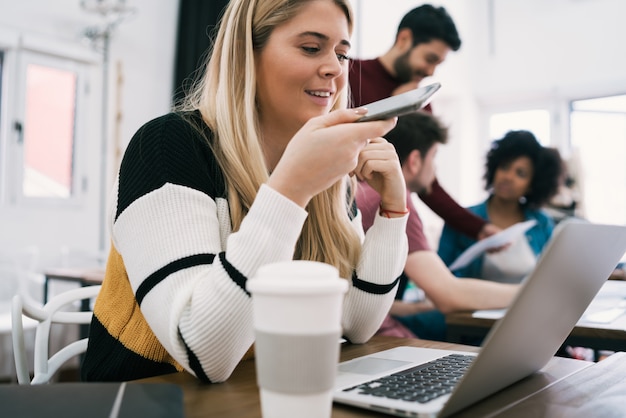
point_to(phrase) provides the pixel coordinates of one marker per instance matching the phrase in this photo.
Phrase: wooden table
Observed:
(463, 327)
(239, 397)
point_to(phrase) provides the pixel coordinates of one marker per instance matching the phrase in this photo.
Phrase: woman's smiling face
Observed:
(304, 65)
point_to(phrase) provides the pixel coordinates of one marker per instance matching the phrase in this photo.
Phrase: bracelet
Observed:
(386, 212)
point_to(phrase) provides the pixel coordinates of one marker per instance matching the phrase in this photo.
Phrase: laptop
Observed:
(571, 270)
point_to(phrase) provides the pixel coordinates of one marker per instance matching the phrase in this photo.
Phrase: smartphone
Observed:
(401, 104)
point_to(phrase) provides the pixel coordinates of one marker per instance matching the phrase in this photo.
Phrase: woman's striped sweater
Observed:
(174, 296)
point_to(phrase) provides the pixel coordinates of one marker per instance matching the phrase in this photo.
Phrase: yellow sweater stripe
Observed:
(117, 310)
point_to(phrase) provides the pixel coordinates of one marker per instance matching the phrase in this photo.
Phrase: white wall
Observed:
(555, 47)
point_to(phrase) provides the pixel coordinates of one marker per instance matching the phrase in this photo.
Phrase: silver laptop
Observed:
(577, 261)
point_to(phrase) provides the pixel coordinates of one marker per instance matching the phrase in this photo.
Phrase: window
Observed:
(598, 141)
(535, 121)
(45, 125)
(48, 131)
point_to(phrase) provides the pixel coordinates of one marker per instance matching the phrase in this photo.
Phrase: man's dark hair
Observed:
(428, 22)
(416, 131)
(547, 164)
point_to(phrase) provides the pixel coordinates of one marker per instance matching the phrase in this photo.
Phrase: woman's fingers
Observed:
(325, 149)
(378, 155)
(379, 166)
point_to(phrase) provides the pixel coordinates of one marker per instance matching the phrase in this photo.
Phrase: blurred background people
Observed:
(521, 176)
(425, 36)
(416, 138)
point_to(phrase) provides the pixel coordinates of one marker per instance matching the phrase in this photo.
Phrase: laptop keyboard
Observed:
(422, 383)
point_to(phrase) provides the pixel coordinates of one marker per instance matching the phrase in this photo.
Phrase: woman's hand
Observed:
(488, 230)
(380, 167)
(324, 150)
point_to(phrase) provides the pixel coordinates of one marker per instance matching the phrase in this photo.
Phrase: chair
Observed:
(16, 272)
(45, 367)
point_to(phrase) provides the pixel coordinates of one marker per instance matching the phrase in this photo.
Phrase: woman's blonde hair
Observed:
(226, 98)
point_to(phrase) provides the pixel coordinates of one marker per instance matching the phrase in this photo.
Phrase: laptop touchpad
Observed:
(371, 365)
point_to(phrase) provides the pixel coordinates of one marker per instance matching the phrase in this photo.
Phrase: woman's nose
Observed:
(331, 67)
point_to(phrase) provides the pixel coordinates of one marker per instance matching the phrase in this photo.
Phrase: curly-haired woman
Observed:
(521, 176)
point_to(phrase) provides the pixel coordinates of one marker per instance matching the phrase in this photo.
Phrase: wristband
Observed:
(387, 213)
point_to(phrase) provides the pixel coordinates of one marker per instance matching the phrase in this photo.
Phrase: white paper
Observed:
(594, 315)
(608, 305)
(489, 313)
(503, 237)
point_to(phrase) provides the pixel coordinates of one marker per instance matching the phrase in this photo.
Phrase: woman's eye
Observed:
(310, 49)
(343, 57)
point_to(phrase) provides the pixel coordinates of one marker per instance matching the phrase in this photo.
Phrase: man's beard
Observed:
(416, 186)
(403, 70)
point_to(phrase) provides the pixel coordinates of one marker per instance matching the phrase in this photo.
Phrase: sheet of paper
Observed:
(496, 240)
(489, 313)
(608, 305)
(605, 316)
(594, 315)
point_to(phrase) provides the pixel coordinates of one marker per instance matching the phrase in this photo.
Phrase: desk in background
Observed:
(618, 273)
(80, 275)
(465, 326)
(239, 396)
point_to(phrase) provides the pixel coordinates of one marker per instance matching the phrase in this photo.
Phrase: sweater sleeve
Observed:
(451, 212)
(373, 287)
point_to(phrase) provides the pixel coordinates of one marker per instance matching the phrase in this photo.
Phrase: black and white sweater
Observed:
(174, 297)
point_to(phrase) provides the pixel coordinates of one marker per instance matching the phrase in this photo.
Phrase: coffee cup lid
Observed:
(297, 277)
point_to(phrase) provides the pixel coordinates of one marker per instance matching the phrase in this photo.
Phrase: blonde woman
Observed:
(257, 167)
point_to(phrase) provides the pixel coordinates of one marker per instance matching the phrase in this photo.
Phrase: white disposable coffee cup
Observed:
(297, 309)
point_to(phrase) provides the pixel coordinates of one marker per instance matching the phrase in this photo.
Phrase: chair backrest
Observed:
(17, 275)
(44, 366)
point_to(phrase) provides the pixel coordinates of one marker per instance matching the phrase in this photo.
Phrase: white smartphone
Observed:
(401, 104)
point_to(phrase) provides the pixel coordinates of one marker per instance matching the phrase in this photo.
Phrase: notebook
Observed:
(573, 267)
(106, 400)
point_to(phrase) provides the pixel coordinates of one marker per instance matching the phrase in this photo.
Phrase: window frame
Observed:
(19, 51)
(560, 108)
(590, 214)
